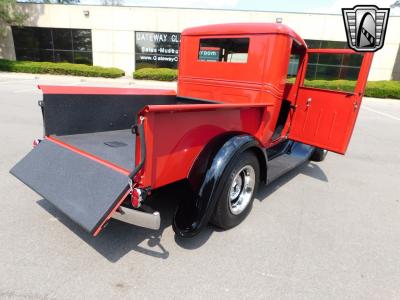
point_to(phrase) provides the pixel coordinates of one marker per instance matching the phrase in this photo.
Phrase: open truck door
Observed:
(325, 118)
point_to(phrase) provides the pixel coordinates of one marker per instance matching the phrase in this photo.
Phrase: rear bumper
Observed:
(138, 218)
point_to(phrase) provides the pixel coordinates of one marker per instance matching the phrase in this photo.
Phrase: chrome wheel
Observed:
(241, 190)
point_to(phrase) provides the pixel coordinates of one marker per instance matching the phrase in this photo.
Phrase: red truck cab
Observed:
(260, 75)
(243, 113)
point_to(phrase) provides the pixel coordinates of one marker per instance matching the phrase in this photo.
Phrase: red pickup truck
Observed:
(242, 115)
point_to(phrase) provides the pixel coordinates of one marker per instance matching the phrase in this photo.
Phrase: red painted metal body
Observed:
(326, 118)
(251, 94)
(244, 98)
(175, 135)
(248, 95)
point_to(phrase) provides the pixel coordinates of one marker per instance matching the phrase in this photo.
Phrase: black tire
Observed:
(318, 154)
(223, 216)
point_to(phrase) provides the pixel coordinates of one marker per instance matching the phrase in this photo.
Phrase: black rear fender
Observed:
(206, 178)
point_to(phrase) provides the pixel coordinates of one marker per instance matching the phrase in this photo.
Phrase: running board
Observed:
(294, 156)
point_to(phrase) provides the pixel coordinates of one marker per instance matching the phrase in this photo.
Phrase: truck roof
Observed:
(244, 28)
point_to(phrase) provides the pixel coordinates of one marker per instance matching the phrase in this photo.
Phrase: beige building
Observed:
(110, 31)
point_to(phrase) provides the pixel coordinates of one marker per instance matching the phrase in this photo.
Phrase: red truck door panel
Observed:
(325, 118)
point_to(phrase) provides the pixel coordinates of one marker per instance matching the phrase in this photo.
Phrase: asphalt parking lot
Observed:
(327, 230)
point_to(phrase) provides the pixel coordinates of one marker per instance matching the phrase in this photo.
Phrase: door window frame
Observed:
(362, 72)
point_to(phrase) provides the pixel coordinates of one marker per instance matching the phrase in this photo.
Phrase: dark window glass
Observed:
(83, 57)
(332, 66)
(53, 44)
(46, 55)
(354, 60)
(27, 54)
(325, 44)
(24, 37)
(313, 59)
(82, 39)
(349, 73)
(44, 38)
(62, 39)
(296, 53)
(330, 59)
(224, 50)
(327, 72)
(325, 66)
(313, 43)
(294, 62)
(310, 73)
(333, 44)
(63, 56)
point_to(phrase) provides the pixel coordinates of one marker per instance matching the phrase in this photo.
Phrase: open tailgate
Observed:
(84, 188)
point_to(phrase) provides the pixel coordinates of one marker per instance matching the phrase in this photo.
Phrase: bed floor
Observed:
(117, 147)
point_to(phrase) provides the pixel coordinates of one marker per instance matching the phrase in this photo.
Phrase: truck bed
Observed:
(116, 146)
(98, 120)
(84, 163)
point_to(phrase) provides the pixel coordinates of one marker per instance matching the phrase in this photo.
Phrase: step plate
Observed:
(83, 189)
(296, 155)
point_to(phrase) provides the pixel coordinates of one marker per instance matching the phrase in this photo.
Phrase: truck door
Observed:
(325, 117)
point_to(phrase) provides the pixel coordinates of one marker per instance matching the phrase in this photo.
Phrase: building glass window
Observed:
(233, 50)
(326, 44)
(156, 49)
(53, 44)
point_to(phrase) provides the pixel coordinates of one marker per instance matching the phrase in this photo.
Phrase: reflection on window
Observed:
(234, 50)
(294, 61)
(53, 44)
(333, 67)
(318, 44)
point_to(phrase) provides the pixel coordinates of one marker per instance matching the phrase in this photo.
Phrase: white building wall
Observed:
(114, 40)
(6, 44)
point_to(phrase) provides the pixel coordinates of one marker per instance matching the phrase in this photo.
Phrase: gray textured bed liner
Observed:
(117, 146)
(83, 189)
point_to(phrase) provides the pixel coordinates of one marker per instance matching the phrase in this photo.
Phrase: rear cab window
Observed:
(227, 57)
(231, 50)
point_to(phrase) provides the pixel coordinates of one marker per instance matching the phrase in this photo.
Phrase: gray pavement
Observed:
(327, 230)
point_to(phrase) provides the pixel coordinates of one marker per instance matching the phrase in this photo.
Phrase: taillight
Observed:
(137, 196)
(36, 142)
